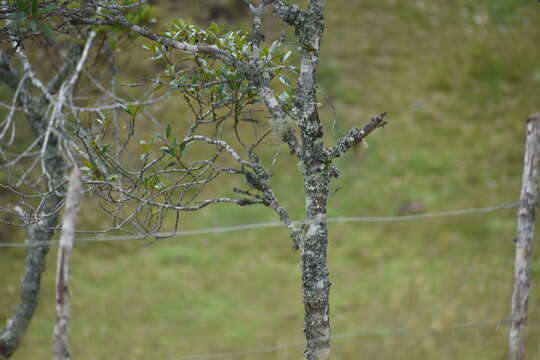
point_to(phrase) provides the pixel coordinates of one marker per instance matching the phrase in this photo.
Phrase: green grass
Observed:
(458, 80)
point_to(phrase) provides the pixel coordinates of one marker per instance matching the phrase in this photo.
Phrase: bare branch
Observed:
(59, 78)
(74, 18)
(61, 348)
(288, 13)
(257, 35)
(259, 179)
(355, 136)
(120, 7)
(220, 143)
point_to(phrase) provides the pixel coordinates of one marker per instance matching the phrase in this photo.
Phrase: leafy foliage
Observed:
(218, 83)
(29, 15)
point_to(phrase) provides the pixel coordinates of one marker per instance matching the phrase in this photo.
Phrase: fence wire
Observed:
(225, 229)
(360, 332)
(339, 220)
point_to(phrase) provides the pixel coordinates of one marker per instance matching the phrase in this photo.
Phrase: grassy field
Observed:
(458, 79)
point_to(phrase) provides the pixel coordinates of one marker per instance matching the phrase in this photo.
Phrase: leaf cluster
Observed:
(30, 15)
(220, 83)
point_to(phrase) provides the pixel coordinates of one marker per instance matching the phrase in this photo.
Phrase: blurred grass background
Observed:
(458, 79)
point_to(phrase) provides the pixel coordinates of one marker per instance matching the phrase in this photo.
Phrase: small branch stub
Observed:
(524, 241)
(355, 136)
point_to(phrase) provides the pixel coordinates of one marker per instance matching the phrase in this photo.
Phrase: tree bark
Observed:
(39, 235)
(315, 276)
(317, 175)
(61, 345)
(524, 241)
(11, 335)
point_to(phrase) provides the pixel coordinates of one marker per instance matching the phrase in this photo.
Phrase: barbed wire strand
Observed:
(356, 333)
(225, 229)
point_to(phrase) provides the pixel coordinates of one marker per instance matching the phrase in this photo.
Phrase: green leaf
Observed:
(167, 150)
(284, 80)
(133, 110)
(33, 6)
(122, 106)
(17, 17)
(105, 147)
(47, 9)
(171, 164)
(46, 30)
(33, 26)
(286, 56)
(22, 5)
(168, 131)
(146, 147)
(89, 164)
(293, 69)
(273, 47)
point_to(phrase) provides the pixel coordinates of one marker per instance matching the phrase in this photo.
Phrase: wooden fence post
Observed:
(524, 241)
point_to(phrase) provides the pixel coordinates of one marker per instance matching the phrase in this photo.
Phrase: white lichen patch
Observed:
(322, 354)
(282, 126)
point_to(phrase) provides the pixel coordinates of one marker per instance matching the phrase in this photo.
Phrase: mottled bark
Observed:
(61, 347)
(315, 276)
(11, 335)
(355, 136)
(524, 241)
(317, 176)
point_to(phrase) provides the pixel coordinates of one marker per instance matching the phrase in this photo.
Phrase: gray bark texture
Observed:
(317, 176)
(39, 232)
(61, 345)
(524, 241)
(12, 334)
(318, 173)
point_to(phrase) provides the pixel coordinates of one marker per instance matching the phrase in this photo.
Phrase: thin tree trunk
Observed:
(315, 276)
(524, 241)
(61, 345)
(12, 334)
(317, 175)
(39, 235)
(315, 280)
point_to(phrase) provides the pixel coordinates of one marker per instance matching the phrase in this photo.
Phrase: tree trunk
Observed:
(315, 280)
(524, 241)
(39, 235)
